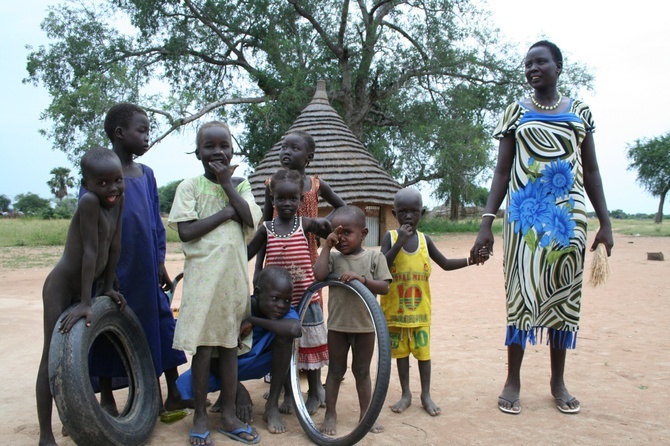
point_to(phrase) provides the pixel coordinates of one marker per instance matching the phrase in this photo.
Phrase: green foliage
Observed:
(651, 158)
(65, 208)
(166, 196)
(31, 204)
(4, 203)
(420, 83)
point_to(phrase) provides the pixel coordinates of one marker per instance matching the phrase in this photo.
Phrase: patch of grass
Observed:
(644, 228)
(32, 232)
(438, 225)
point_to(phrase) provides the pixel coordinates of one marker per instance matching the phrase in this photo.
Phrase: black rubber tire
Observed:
(383, 368)
(79, 410)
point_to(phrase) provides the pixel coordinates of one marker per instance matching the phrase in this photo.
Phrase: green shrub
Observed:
(439, 225)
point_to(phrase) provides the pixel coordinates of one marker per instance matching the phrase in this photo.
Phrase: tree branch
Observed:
(175, 124)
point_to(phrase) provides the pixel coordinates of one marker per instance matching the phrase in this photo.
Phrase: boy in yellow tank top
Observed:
(407, 306)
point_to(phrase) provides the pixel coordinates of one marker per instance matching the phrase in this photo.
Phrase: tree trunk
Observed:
(454, 206)
(659, 214)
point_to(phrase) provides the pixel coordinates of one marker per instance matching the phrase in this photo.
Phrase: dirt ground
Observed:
(620, 370)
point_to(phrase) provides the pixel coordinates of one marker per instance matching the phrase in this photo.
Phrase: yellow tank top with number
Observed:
(407, 303)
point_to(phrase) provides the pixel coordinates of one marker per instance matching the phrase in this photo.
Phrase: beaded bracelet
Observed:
(488, 215)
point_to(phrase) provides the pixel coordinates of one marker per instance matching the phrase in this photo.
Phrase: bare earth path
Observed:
(620, 369)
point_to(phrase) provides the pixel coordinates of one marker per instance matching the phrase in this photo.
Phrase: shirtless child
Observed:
(89, 259)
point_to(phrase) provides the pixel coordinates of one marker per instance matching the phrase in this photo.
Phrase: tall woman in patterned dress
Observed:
(546, 163)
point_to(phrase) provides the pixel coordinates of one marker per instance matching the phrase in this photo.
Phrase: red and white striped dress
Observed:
(291, 252)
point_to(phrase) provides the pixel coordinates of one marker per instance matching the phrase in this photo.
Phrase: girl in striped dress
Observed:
(282, 241)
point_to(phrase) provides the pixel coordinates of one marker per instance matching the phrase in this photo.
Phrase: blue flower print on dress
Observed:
(530, 207)
(558, 178)
(560, 226)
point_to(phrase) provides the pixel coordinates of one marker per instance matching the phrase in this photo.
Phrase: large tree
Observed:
(397, 72)
(60, 181)
(30, 203)
(651, 158)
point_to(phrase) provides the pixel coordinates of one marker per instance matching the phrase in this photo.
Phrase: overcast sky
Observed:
(627, 50)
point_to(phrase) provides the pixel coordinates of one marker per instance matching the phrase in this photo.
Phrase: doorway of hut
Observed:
(372, 217)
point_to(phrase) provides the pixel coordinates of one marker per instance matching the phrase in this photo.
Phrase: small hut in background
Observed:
(342, 161)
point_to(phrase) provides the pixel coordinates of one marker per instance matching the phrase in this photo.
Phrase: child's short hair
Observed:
(286, 175)
(311, 144)
(353, 212)
(273, 273)
(408, 192)
(92, 156)
(119, 116)
(207, 125)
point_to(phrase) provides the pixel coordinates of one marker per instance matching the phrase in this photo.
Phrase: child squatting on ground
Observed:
(143, 279)
(88, 264)
(282, 241)
(214, 213)
(407, 306)
(275, 324)
(349, 322)
(296, 152)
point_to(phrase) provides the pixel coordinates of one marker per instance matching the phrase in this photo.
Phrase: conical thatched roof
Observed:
(341, 160)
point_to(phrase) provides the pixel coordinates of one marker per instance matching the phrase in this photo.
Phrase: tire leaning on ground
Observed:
(383, 365)
(82, 416)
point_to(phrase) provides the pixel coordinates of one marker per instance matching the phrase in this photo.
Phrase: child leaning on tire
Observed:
(349, 322)
(88, 264)
(407, 306)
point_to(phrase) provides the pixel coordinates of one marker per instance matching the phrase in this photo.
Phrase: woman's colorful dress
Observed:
(544, 235)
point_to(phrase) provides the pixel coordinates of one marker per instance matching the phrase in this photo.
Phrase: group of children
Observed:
(214, 214)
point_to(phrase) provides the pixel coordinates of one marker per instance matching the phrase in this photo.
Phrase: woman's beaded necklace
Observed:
(546, 107)
(293, 229)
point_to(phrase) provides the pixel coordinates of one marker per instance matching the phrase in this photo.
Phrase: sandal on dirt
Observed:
(564, 406)
(514, 410)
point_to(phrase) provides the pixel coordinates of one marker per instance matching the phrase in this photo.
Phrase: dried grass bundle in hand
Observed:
(600, 267)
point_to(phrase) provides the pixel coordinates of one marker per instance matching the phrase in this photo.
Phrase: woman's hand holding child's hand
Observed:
(482, 256)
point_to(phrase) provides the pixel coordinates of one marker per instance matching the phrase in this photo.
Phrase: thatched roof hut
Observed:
(342, 161)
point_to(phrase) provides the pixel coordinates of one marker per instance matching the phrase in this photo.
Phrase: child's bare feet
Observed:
(430, 407)
(244, 407)
(404, 403)
(286, 405)
(216, 407)
(377, 428)
(329, 425)
(313, 402)
(273, 419)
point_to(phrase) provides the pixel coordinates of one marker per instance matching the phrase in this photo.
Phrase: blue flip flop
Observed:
(203, 436)
(235, 434)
